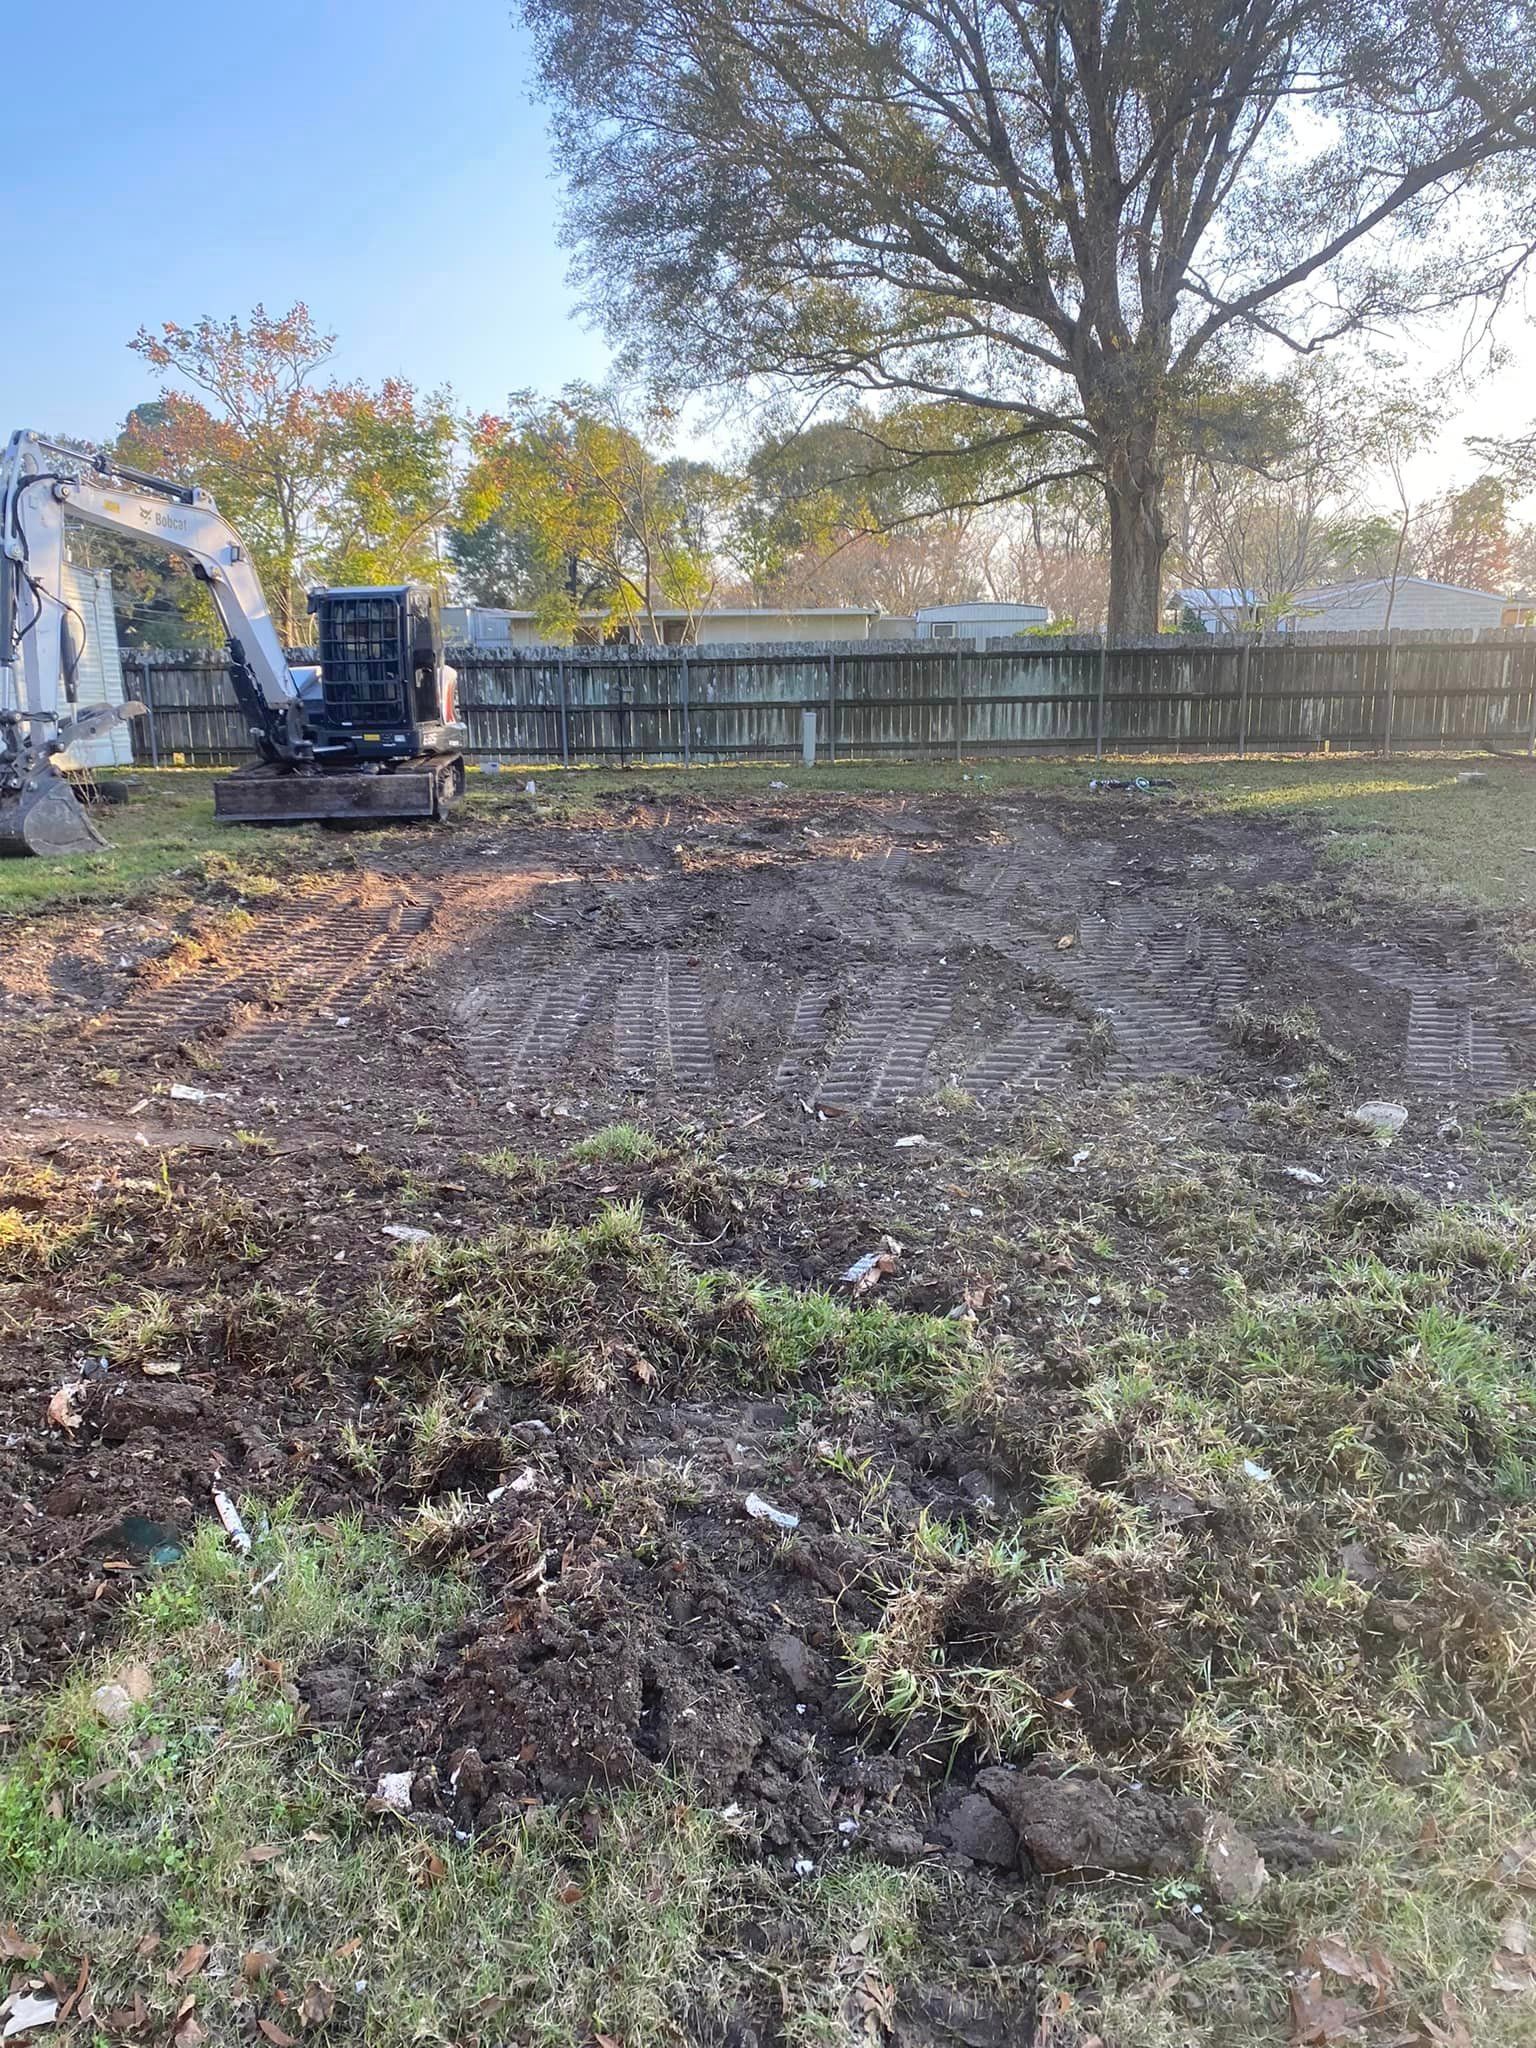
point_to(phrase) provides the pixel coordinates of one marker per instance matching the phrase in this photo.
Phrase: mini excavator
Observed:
(369, 733)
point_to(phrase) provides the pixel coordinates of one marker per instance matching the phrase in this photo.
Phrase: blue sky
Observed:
(378, 158)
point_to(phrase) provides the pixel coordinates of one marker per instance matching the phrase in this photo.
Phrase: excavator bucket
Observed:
(46, 817)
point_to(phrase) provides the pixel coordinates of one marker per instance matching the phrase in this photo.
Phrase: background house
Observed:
(491, 627)
(1414, 606)
(977, 621)
(1220, 608)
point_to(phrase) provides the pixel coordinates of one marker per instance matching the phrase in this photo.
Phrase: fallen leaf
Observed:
(317, 2004)
(257, 1963)
(349, 1948)
(1329, 1952)
(190, 1961)
(606, 2041)
(14, 1950)
(262, 1852)
(1517, 1864)
(1452, 2032)
(571, 1894)
(1317, 2018)
(147, 1944)
(269, 2030)
(64, 1408)
(1513, 1972)
(189, 2031)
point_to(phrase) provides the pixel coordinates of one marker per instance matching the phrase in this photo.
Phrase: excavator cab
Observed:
(385, 693)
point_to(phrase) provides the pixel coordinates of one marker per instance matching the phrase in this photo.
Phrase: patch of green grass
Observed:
(575, 1308)
(616, 1145)
(214, 1817)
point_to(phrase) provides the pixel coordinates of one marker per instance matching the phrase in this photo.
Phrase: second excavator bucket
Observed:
(45, 817)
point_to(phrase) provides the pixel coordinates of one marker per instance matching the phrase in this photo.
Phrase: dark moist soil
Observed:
(777, 989)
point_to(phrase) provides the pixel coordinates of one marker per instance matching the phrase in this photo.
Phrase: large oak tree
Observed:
(1077, 217)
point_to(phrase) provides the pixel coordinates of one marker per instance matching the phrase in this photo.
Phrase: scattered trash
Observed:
(778, 785)
(1386, 1119)
(804, 1867)
(64, 1408)
(1079, 1157)
(24, 2010)
(180, 1092)
(871, 1269)
(530, 788)
(160, 1368)
(525, 1482)
(1471, 775)
(1255, 1470)
(906, 1144)
(394, 1791)
(764, 1511)
(114, 1701)
(1140, 782)
(1305, 1175)
(1066, 942)
(140, 1541)
(229, 1515)
(407, 1233)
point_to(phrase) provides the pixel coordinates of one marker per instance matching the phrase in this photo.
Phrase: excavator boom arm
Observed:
(41, 486)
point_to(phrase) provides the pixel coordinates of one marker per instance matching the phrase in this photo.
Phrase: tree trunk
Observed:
(1138, 540)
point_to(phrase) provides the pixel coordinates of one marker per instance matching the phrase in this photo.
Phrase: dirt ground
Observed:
(828, 1019)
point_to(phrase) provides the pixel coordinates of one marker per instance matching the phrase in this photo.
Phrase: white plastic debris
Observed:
(525, 1482)
(764, 1511)
(915, 1138)
(1386, 1119)
(229, 1515)
(23, 2011)
(1079, 1157)
(530, 788)
(1255, 1470)
(394, 1789)
(407, 1233)
(1304, 1174)
(804, 1867)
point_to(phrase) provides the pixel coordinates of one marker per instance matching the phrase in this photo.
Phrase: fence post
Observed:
(1098, 732)
(959, 659)
(687, 740)
(1391, 688)
(1242, 699)
(831, 707)
(565, 715)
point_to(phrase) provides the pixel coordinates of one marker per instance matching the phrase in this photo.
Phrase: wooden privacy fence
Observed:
(925, 700)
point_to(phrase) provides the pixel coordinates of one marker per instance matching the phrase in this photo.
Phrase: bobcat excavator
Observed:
(370, 733)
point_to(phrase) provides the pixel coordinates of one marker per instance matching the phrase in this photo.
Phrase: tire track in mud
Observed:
(342, 969)
(1035, 1053)
(1459, 1034)
(885, 1055)
(324, 955)
(1162, 985)
(515, 1031)
(661, 1026)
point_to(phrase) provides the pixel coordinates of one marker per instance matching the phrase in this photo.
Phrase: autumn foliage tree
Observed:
(606, 530)
(326, 481)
